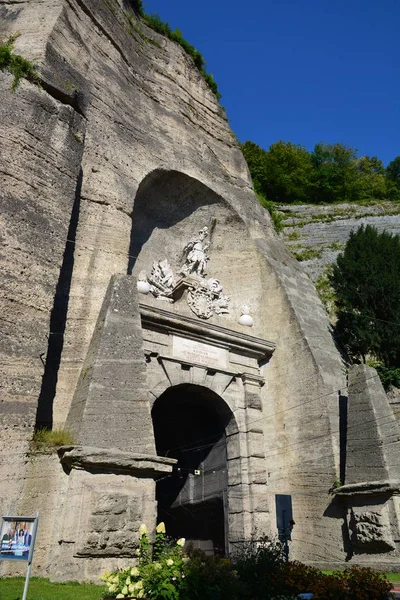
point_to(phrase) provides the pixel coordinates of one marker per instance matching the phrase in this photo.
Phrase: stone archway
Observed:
(194, 425)
(191, 325)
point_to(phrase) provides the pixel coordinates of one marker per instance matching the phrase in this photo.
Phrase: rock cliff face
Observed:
(122, 124)
(316, 234)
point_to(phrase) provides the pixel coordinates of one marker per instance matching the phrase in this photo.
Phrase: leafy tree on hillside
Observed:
(371, 181)
(366, 280)
(393, 179)
(288, 173)
(336, 172)
(256, 159)
(283, 174)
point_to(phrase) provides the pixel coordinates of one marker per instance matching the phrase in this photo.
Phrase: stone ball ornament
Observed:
(245, 318)
(143, 286)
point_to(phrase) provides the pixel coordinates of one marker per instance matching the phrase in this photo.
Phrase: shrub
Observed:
(366, 584)
(296, 578)
(257, 564)
(210, 578)
(158, 574)
(355, 583)
(257, 571)
(389, 376)
(15, 64)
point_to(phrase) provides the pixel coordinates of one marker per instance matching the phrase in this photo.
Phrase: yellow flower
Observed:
(157, 566)
(128, 581)
(120, 596)
(124, 590)
(170, 562)
(143, 530)
(105, 576)
(131, 588)
(181, 542)
(134, 572)
(160, 528)
(139, 585)
(140, 594)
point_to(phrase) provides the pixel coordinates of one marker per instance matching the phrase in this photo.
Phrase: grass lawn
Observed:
(11, 588)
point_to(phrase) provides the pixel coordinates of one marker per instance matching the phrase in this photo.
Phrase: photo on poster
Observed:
(16, 538)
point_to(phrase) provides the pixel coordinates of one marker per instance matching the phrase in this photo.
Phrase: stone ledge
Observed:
(104, 460)
(368, 488)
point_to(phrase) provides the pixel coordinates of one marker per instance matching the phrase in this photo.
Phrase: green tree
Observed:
(256, 159)
(366, 280)
(370, 183)
(393, 179)
(335, 167)
(283, 174)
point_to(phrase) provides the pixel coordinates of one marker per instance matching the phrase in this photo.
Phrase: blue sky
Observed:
(303, 71)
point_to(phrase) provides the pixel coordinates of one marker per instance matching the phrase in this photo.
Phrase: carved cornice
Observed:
(368, 488)
(112, 460)
(169, 322)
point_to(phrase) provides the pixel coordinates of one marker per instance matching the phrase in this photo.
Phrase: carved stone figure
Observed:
(161, 279)
(196, 257)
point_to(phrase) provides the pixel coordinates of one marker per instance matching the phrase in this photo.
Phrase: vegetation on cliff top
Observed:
(162, 27)
(288, 173)
(15, 64)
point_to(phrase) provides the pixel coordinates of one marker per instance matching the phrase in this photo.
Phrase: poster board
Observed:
(17, 538)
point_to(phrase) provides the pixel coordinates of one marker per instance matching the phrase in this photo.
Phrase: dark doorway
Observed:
(189, 425)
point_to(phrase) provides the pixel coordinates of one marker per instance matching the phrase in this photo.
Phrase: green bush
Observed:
(159, 573)
(257, 571)
(355, 583)
(15, 64)
(389, 376)
(366, 584)
(257, 564)
(211, 578)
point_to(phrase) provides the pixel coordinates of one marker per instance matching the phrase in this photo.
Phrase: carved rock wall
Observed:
(122, 102)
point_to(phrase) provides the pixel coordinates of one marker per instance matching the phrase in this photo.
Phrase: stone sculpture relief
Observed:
(204, 296)
(161, 280)
(369, 529)
(196, 256)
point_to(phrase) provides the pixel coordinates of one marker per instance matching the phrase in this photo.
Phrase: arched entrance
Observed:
(190, 424)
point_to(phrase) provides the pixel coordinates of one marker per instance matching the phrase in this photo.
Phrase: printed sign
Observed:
(17, 538)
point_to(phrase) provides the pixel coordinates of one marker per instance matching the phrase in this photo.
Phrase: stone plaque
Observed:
(199, 353)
